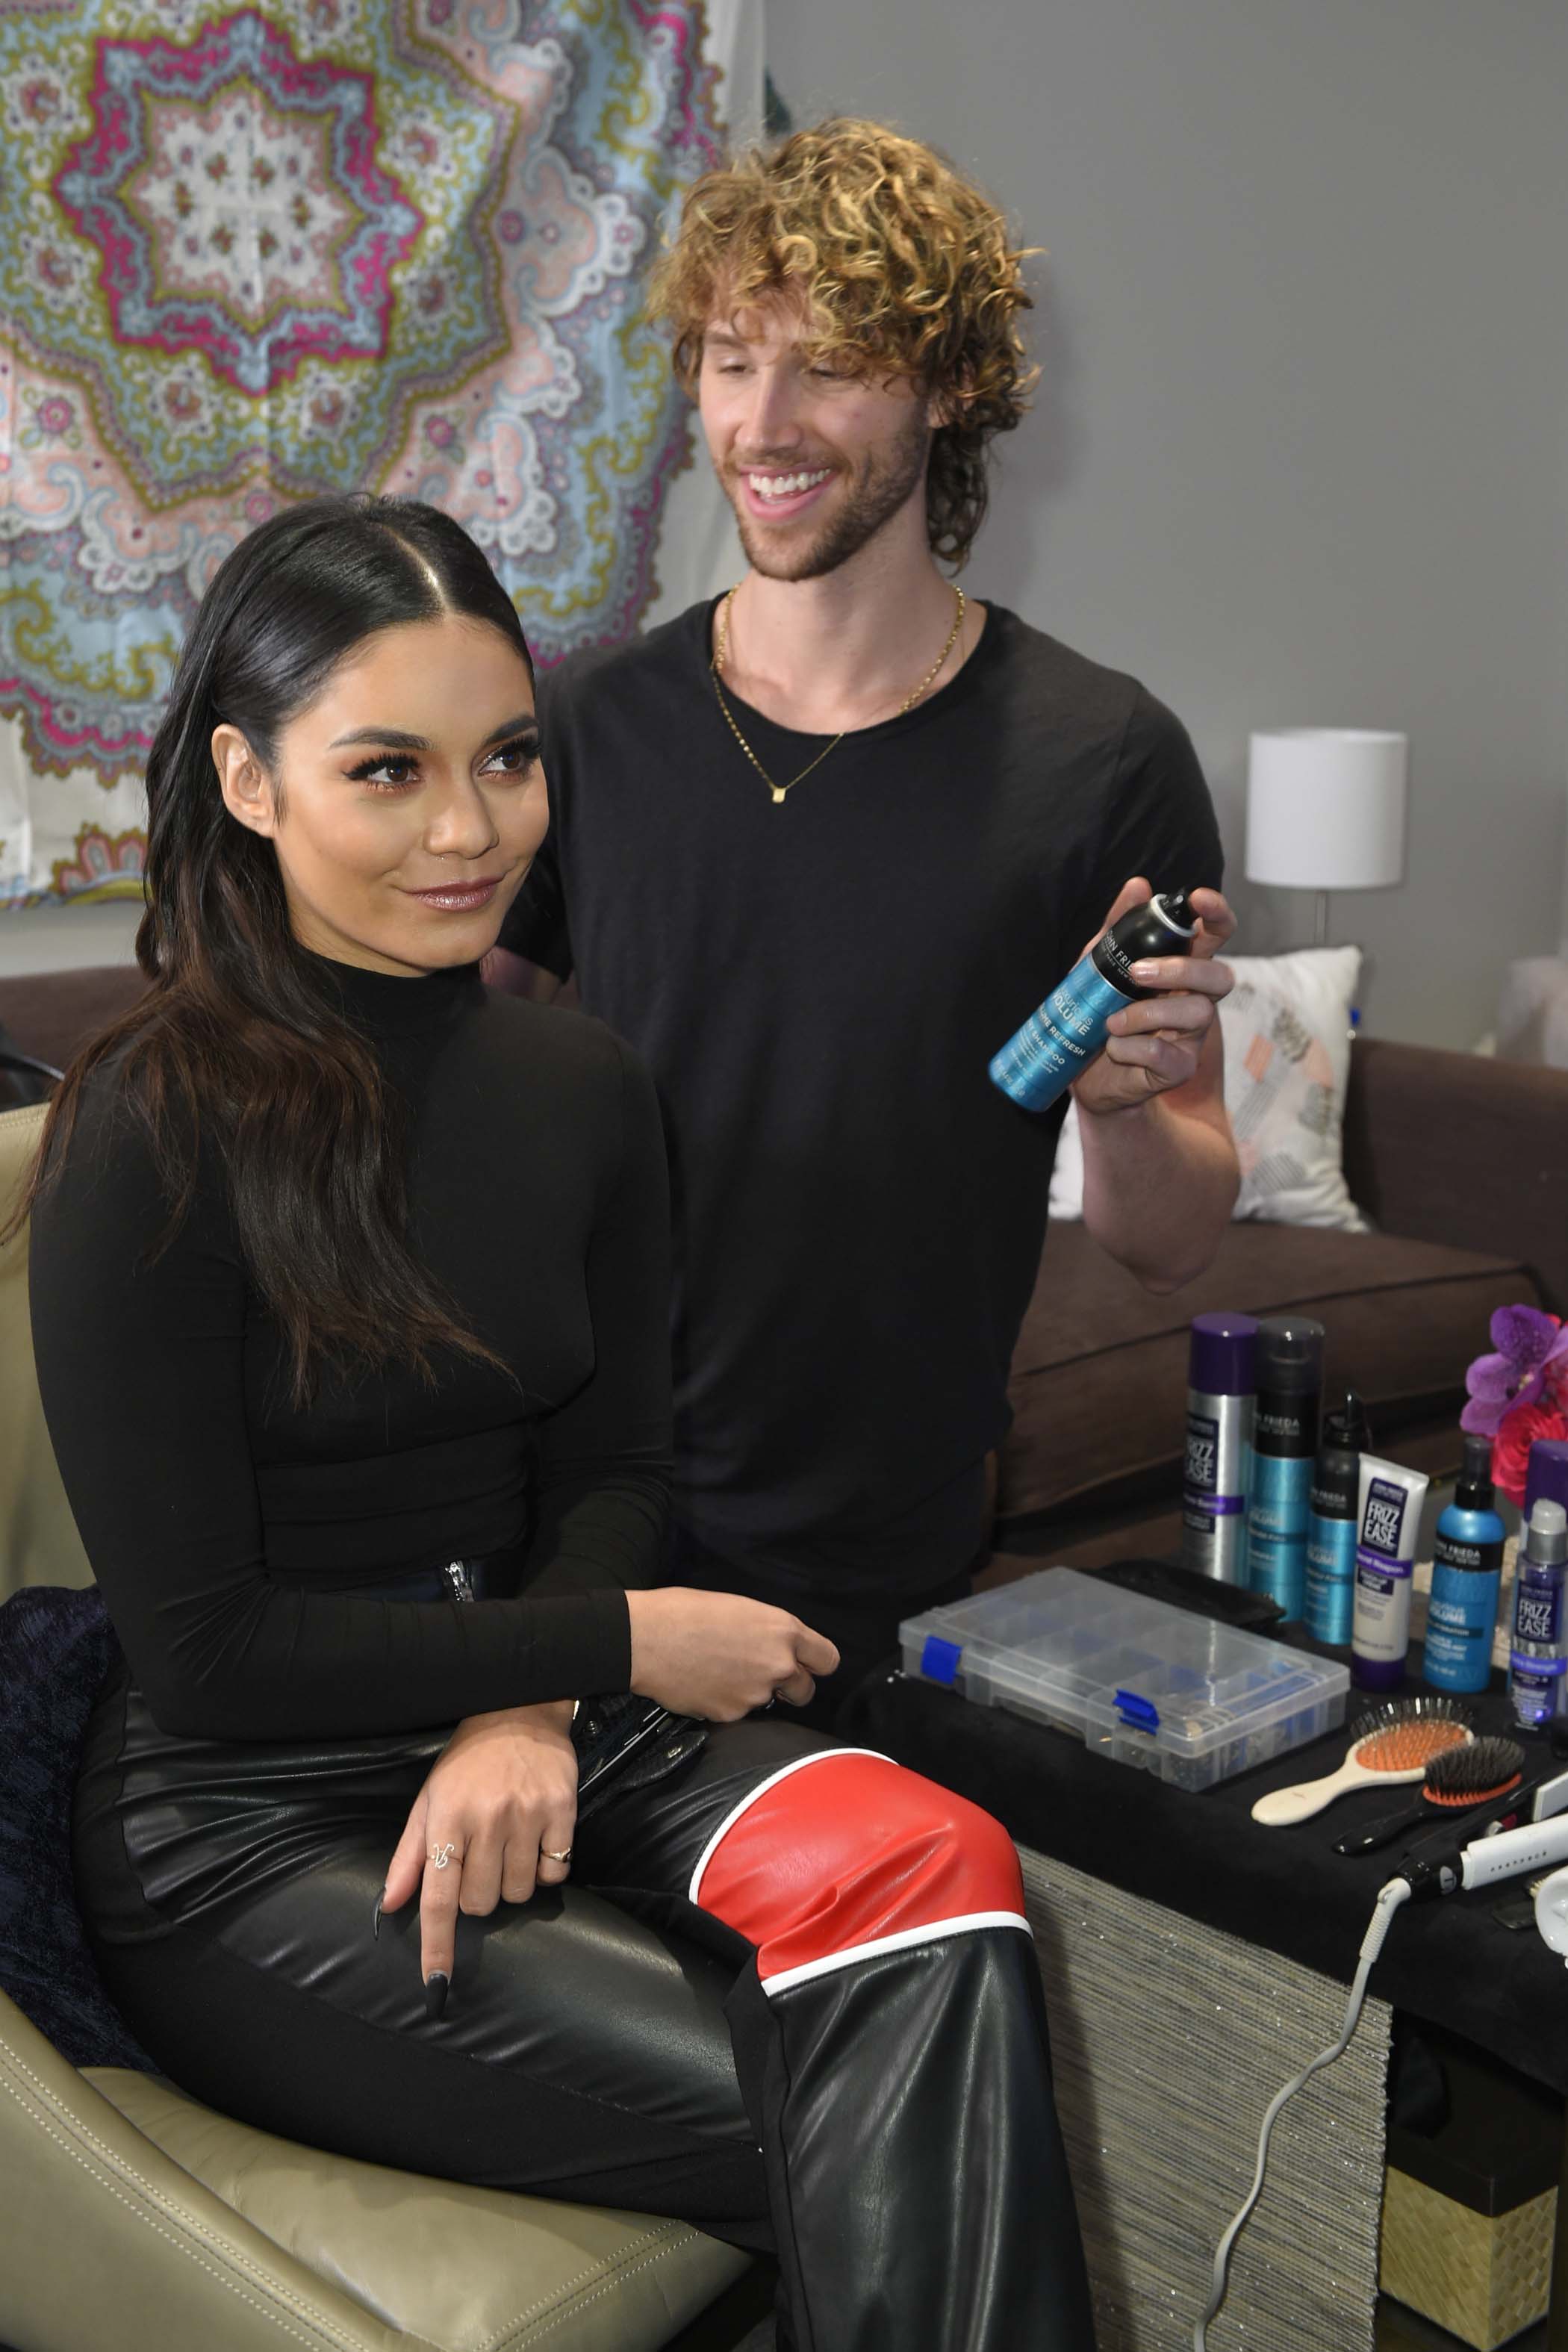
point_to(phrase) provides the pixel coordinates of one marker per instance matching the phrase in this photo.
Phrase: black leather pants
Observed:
(783, 1995)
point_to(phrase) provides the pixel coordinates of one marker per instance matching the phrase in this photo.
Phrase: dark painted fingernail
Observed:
(437, 1986)
(375, 1923)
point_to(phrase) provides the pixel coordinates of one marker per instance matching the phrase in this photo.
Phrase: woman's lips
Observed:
(458, 898)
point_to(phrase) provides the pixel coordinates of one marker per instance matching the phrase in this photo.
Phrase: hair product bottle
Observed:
(1056, 1042)
(1537, 1659)
(1466, 1571)
(1284, 1441)
(1220, 1369)
(1387, 1523)
(1332, 1507)
(1545, 1475)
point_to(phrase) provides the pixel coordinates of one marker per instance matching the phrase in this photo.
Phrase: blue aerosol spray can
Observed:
(1332, 1511)
(1537, 1659)
(1284, 1443)
(1056, 1043)
(1466, 1571)
(1220, 1379)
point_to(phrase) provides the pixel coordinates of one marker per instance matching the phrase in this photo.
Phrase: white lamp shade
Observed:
(1325, 808)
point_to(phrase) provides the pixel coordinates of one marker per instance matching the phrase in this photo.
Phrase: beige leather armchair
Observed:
(131, 2217)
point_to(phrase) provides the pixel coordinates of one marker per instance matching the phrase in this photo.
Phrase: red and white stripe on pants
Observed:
(843, 1854)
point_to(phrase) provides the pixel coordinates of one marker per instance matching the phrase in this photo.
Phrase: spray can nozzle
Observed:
(1546, 1535)
(1473, 1489)
(1347, 1425)
(1174, 907)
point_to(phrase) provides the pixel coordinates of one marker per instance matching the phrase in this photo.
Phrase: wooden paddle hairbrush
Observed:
(1394, 1743)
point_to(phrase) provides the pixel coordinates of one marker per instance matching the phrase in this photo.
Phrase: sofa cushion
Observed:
(438, 2262)
(152, 2224)
(1100, 1374)
(1286, 1031)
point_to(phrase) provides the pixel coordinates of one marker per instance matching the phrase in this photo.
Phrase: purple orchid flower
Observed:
(1530, 1363)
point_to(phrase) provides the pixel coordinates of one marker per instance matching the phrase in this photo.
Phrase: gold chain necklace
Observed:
(722, 639)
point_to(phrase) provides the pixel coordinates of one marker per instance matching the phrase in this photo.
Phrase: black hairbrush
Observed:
(1457, 1779)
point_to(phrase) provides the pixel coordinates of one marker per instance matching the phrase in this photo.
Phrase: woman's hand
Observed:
(499, 1803)
(718, 1655)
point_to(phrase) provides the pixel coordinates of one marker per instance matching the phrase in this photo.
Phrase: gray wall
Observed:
(1299, 456)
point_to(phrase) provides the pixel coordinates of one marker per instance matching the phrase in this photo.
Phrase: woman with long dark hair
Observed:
(348, 1294)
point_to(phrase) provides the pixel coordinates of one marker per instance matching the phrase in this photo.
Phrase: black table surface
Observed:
(1452, 1963)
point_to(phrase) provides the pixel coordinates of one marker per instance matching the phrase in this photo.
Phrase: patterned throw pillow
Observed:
(1286, 1026)
(56, 1648)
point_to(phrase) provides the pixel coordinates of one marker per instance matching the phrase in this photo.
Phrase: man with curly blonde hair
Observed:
(819, 847)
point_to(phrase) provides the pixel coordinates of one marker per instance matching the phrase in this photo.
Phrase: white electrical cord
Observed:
(1396, 1892)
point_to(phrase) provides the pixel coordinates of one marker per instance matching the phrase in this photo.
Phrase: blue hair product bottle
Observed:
(1334, 1508)
(1056, 1043)
(1284, 1444)
(1466, 1572)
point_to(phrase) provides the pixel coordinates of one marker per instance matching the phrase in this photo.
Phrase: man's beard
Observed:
(884, 484)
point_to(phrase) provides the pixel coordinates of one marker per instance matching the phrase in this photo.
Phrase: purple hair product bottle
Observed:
(1058, 1041)
(1545, 1476)
(1538, 1655)
(1220, 1382)
(1538, 1684)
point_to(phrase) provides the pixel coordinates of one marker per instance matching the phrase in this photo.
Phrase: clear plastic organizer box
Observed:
(1137, 1680)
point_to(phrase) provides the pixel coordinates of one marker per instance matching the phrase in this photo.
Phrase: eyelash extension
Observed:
(366, 771)
(366, 768)
(529, 745)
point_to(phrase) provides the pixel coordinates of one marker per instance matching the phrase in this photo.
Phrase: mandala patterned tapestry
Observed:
(251, 254)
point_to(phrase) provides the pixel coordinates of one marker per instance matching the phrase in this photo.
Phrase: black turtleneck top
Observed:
(227, 1527)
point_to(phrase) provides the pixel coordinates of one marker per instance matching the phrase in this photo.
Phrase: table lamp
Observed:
(1325, 810)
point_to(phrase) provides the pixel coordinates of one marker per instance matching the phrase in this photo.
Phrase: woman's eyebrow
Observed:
(525, 723)
(398, 739)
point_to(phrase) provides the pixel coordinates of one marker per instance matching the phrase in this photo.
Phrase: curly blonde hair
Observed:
(906, 270)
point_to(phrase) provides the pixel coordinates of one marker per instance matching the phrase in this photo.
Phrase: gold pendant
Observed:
(779, 791)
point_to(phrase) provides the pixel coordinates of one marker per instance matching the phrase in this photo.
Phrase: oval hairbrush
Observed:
(1393, 1743)
(1471, 1774)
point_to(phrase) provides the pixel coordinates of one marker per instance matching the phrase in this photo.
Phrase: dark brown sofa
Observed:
(1462, 1163)
(1461, 1160)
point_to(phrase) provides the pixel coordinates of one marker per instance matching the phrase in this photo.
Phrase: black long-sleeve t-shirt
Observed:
(228, 1527)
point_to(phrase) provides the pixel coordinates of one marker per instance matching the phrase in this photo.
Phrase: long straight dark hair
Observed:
(238, 1044)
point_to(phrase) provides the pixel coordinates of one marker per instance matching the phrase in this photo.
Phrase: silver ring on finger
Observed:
(440, 1856)
(550, 1853)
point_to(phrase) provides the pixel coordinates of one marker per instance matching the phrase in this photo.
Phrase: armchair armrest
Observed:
(1462, 1149)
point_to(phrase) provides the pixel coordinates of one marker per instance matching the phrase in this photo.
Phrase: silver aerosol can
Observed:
(1220, 1387)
